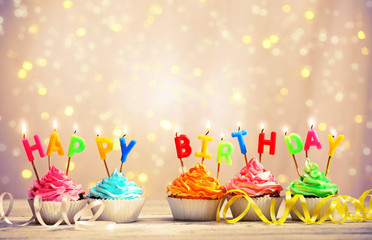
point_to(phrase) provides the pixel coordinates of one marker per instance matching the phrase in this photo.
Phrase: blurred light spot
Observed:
(26, 173)
(159, 162)
(12, 124)
(175, 69)
(44, 116)
(22, 73)
(335, 39)
(247, 39)
(117, 132)
(305, 72)
(358, 118)
(81, 32)
(27, 65)
(69, 110)
(354, 66)
(322, 126)
(163, 148)
(369, 125)
(282, 178)
(274, 39)
(197, 72)
(2, 147)
(165, 124)
(309, 15)
(33, 29)
(42, 62)
(361, 35)
(4, 179)
(365, 51)
(149, 113)
(67, 4)
(366, 151)
(42, 91)
(286, 8)
(116, 144)
(339, 96)
(352, 172)
(155, 9)
(46, 141)
(237, 97)
(116, 27)
(98, 77)
(142, 177)
(16, 152)
(151, 137)
(72, 166)
(91, 184)
(130, 175)
(266, 44)
(284, 91)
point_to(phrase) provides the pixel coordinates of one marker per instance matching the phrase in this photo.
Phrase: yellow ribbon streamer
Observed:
(338, 203)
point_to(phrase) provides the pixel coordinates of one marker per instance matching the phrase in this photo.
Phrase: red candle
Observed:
(311, 140)
(269, 142)
(183, 147)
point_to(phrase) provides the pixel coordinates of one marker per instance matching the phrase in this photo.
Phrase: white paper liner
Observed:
(262, 202)
(51, 211)
(311, 204)
(193, 209)
(119, 210)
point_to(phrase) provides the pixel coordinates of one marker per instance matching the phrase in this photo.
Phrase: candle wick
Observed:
(74, 131)
(312, 126)
(262, 130)
(285, 133)
(221, 139)
(176, 134)
(124, 135)
(238, 128)
(206, 133)
(333, 136)
(97, 135)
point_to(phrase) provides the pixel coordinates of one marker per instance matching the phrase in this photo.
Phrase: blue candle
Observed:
(126, 149)
(240, 135)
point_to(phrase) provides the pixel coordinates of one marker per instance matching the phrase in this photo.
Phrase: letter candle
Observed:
(125, 149)
(54, 145)
(102, 151)
(75, 139)
(29, 149)
(311, 139)
(239, 134)
(204, 149)
(332, 146)
(262, 141)
(183, 147)
(291, 150)
(225, 149)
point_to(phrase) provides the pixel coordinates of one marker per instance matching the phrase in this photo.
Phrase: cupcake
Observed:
(194, 195)
(260, 185)
(51, 189)
(314, 186)
(122, 198)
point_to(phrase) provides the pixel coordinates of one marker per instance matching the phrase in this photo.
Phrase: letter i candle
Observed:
(204, 149)
(29, 149)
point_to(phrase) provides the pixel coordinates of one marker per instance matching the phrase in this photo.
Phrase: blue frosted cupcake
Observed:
(122, 198)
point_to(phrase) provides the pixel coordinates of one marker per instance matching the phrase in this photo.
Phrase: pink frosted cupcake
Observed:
(258, 184)
(51, 189)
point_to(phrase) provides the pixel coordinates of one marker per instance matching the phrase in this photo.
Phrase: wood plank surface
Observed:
(156, 222)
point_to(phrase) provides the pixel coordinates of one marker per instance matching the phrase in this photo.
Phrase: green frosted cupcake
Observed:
(315, 186)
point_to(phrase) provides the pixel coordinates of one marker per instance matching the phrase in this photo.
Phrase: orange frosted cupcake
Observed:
(194, 195)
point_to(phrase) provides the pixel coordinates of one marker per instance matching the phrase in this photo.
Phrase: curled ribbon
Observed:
(338, 203)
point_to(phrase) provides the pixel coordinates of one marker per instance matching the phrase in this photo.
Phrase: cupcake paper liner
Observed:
(119, 210)
(193, 209)
(311, 204)
(262, 202)
(51, 211)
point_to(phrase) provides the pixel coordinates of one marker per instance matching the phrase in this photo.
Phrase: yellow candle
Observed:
(204, 149)
(103, 150)
(54, 143)
(334, 143)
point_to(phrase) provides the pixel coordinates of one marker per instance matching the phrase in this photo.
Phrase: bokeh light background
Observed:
(151, 65)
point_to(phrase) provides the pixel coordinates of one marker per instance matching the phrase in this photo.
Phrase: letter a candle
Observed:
(54, 145)
(311, 139)
(183, 147)
(29, 149)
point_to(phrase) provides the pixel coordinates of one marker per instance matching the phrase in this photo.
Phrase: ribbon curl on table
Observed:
(339, 203)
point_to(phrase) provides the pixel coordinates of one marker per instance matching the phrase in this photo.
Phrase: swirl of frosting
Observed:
(196, 183)
(54, 185)
(313, 182)
(116, 186)
(255, 180)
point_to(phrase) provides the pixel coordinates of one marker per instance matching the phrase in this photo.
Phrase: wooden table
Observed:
(156, 222)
